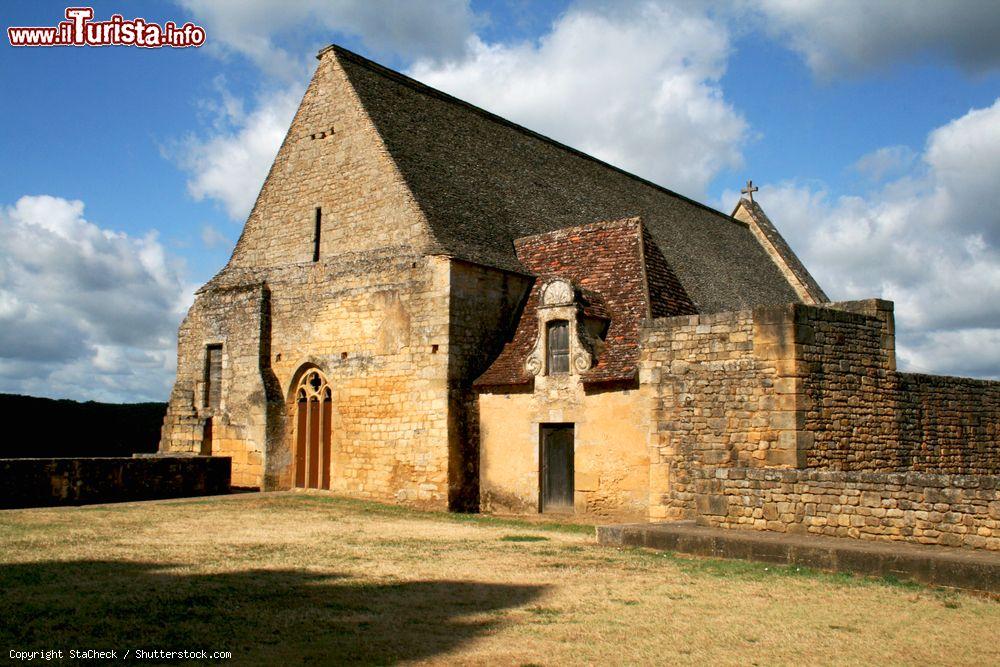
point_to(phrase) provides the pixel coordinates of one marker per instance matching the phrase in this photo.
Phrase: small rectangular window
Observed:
(316, 232)
(213, 376)
(558, 346)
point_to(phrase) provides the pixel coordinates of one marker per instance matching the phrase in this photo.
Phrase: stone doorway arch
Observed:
(313, 415)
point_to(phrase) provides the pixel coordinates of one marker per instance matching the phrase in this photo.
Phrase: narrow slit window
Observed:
(316, 232)
(213, 376)
(558, 347)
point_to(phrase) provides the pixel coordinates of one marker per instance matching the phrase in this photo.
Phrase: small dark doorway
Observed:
(557, 467)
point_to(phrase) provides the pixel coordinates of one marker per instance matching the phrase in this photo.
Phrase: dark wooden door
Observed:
(312, 456)
(313, 432)
(557, 467)
(301, 443)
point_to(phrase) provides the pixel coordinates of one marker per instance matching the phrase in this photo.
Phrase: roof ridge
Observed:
(585, 227)
(434, 92)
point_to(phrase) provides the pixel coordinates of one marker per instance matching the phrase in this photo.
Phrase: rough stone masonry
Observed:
(432, 305)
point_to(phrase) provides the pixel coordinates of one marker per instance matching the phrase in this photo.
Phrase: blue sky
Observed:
(873, 131)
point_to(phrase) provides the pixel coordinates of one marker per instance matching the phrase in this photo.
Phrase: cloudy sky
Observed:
(872, 128)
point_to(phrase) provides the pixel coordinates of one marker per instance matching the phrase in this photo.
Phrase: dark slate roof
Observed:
(483, 181)
(610, 264)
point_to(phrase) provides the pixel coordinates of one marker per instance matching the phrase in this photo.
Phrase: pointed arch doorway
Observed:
(314, 410)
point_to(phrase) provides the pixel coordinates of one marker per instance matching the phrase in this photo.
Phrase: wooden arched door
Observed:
(312, 431)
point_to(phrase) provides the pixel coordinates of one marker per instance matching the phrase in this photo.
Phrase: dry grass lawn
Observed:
(285, 579)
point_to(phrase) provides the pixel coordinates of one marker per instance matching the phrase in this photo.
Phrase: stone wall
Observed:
(482, 302)
(79, 481)
(714, 401)
(710, 388)
(231, 317)
(611, 455)
(861, 414)
(813, 390)
(812, 387)
(848, 390)
(949, 424)
(949, 510)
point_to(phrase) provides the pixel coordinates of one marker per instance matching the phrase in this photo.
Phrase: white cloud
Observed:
(212, 237)
(230, 164)
(850, 36)
(257, 28)
(635, 85)
(886, 162)
(85, 312)
(950, 350)
(928, 240)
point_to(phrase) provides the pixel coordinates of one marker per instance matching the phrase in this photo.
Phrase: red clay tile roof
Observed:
(622, 276)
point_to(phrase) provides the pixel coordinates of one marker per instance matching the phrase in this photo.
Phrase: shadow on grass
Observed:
(261, 616)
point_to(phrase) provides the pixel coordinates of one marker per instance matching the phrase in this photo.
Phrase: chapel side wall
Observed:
(232, 318)
(370, 324)
(611, 453)
(483, 303)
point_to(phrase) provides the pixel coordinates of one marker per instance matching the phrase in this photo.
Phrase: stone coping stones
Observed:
(939, 566)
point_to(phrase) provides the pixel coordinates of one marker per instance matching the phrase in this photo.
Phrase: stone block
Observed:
(716, 505)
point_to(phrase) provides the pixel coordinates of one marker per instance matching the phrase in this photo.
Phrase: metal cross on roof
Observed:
(749, 190)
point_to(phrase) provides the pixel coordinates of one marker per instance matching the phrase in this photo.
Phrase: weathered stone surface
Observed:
(821, 406)
(964, 520)
(931, 565)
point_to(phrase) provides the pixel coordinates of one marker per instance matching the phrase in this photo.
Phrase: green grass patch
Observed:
(747, 570)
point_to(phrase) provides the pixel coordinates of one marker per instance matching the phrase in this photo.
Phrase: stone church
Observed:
(430, 304)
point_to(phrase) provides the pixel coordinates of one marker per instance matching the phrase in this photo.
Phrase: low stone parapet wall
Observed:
(948, 510)
(81, 481)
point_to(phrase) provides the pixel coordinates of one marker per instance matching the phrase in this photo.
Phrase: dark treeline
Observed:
(48, 428)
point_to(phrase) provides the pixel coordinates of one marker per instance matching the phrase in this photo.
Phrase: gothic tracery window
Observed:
(312, 433)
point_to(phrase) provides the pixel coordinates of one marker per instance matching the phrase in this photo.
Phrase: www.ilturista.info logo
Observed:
(80, 30)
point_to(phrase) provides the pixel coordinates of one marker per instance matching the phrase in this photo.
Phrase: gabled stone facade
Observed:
(395, 287)
(371, 313)
(432, 305)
